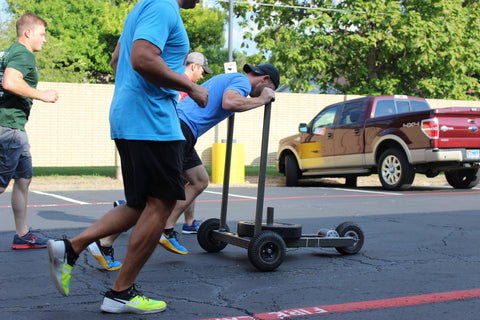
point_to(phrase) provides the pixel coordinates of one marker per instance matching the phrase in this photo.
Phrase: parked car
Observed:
(394, 136)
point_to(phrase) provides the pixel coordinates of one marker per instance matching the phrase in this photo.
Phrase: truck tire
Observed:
(463, 179)
(291, 171)
(394, 171)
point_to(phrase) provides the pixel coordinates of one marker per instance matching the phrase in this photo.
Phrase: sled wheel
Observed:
(205, 238)
(350, 229)
(266, 251)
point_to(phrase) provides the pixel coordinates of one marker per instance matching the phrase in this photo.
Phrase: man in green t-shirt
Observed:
(19, 78)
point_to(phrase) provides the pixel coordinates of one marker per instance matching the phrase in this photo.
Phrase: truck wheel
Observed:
(463, 179)
(351, 181)
(291, 170)
(394, 171)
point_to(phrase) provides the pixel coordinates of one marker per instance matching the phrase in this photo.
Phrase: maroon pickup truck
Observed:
(394, 136)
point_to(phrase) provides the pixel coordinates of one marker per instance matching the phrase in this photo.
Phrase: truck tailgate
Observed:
(458, 127)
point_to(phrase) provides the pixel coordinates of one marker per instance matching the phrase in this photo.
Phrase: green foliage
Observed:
(427, 48)
(82, 34)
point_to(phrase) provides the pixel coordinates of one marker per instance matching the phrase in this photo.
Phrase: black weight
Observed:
(285, 230)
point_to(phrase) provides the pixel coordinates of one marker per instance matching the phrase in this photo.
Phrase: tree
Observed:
(427, 48)
(82, 34)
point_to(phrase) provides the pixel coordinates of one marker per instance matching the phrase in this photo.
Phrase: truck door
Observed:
(316, 149)
(349, 141)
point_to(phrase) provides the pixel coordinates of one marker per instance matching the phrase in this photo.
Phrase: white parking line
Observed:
(368, 191)
(60, 197)
(230, 194)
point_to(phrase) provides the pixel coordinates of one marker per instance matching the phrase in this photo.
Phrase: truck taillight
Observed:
(430, 128)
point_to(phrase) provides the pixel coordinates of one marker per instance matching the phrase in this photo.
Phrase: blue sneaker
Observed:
(118, 202)
(28, 241)
(170, 243)
(189, 229)
(104, 255)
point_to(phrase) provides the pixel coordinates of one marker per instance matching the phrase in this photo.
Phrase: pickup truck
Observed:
(394, 136)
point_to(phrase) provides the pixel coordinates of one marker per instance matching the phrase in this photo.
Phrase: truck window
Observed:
(351, 113)
(402, 106)
(418, 105)
(324, 119)
(384, 108)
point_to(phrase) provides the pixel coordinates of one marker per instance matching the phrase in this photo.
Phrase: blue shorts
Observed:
(15, 157)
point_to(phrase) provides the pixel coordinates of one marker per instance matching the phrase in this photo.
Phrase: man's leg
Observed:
(124, 296)
(189, 213)
(19, 204)
(103, 251)
(63, 253)
(197, 178)
(143, 240)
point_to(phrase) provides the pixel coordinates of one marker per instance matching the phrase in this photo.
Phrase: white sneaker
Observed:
(60, 270)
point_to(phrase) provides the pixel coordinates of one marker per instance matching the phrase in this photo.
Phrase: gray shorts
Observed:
(15, 157)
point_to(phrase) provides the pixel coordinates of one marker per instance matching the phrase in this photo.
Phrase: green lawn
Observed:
(111, 171)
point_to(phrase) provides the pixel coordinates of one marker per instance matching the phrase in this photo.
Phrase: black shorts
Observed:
(190, 156)
(151, 168)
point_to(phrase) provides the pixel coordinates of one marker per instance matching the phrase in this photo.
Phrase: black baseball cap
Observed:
(264, 69)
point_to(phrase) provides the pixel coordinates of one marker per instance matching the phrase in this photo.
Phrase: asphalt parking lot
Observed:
(420, 259)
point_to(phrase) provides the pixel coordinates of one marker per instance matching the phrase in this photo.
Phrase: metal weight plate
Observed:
(285, 230)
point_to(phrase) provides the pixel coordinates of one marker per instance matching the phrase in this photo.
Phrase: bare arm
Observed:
(13, 81)
(114, 61)
(145, 59)
(235, 102)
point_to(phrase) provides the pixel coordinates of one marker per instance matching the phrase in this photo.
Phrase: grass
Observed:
(111, 171)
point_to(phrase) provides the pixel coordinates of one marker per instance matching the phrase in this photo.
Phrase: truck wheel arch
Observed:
(283, 155)
(391, 141)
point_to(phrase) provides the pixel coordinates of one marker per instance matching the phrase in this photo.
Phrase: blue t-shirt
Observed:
(139, 109)
(200, 120)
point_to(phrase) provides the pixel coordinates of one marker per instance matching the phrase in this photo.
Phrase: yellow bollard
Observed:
(237, 166)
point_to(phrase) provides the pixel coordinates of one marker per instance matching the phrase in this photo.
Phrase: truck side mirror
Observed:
(302, 127)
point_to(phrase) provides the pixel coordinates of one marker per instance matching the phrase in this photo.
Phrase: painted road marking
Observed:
(230, 195)
(362, 305)
(248, 198)
(60, 197)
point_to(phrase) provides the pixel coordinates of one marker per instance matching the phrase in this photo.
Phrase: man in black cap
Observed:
(227, 94)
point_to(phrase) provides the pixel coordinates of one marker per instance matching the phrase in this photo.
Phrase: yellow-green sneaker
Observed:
(60, 270)
(130, 301)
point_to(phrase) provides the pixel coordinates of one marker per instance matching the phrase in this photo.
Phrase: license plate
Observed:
(473, 154)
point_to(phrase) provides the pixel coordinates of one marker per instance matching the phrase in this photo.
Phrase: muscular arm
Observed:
(145, 59)
(13, 81)
(235, 102)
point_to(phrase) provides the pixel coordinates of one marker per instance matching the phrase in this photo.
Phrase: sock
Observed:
(72, 256)
(124, 294)
(168, 232)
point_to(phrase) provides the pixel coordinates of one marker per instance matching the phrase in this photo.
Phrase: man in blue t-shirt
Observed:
(149, 62)
(227, 93)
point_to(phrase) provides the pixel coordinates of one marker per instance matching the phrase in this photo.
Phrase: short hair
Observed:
(28, 20)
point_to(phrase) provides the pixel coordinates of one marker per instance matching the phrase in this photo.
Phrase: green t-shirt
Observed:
(14, 109)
